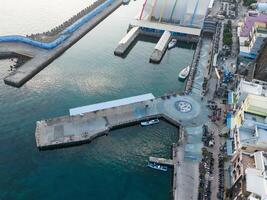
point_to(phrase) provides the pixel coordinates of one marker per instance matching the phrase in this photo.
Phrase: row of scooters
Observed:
(220, 193)
(208, 137)
(206, 167)
(216, 112)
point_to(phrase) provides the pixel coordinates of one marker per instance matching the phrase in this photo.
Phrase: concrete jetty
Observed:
(162, 161)
(127, 41)
(164, 31)
(160, 47)
(82, 128)
(41, 57)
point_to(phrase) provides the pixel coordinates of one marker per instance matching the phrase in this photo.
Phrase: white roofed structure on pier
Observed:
(178, 12)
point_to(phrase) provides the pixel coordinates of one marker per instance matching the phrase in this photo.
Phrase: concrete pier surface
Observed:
(40, 58)
(199, 67)
(127, 41)
(78, 129)
(160, 48)
(162, 161)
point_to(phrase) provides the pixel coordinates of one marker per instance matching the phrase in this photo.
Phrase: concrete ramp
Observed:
(162, 161)
(160, 47)
(127, 41)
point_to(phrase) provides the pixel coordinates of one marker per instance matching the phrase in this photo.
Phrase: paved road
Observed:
(187, 177)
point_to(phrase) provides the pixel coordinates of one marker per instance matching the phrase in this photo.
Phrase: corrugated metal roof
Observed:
(167, 27)
(110, 104)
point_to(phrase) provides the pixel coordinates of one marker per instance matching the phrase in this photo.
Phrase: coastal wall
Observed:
(26, 71)
(64, 35)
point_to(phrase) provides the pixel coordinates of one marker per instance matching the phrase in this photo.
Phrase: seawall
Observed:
(45, 57)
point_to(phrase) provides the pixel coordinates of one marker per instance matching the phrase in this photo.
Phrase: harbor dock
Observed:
(163, 31)
(174, 162)
(160, 47)
(162, 161)
(127, 41)
(85, 126)
(40, 58)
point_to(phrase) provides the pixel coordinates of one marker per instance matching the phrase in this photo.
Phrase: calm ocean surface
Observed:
(109, 168)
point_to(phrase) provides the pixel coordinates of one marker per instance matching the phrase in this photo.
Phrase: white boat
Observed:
(184, 73)
(157, 167)
(150, 122)
(172, 43)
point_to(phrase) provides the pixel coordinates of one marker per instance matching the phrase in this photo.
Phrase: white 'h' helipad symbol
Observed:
(183, 106)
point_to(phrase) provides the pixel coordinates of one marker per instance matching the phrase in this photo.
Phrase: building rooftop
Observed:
(111, 104)
(246, 88)
(256, 177)
(253, 130)
(249, 23)
(250, 88)
(185, 13)
(167, 27)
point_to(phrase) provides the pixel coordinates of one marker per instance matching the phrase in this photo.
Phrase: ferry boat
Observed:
(157, 167)
(172, 43)
(184, 73)
(150, 122)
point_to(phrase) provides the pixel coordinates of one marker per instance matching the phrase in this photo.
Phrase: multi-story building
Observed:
(252, 32)
(249, 175)
(247, 121)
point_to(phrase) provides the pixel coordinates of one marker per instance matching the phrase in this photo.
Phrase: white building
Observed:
(181, 12)
(249, 175)
(256, 178)
(252, 32)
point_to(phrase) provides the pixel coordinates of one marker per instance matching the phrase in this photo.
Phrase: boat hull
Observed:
(157, 167)
(184, 74)
(182, 79)
(150, 123)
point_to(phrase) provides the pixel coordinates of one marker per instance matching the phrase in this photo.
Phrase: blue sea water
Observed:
(109, 168)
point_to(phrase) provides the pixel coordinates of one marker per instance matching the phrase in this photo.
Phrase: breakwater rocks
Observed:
(54, 33)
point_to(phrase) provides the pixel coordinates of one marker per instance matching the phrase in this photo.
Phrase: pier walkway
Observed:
(160, 47)
(162, 161)
(40, 58)
(78, 129)
(127, 41)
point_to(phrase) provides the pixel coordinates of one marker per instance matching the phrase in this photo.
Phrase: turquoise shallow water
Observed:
(112, 167)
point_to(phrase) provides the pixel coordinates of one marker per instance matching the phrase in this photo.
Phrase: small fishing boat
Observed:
(157, 167)
(184, 73)
(150, 122)
(172, 43)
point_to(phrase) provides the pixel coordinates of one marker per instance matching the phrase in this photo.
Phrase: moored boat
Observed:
(150, 122)
(157, 166)
(184, 73)
(172, 43)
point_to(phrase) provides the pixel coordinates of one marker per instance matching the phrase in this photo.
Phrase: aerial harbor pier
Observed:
(86, 123)
(188, 112)
(159, 100)
(41, 53)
